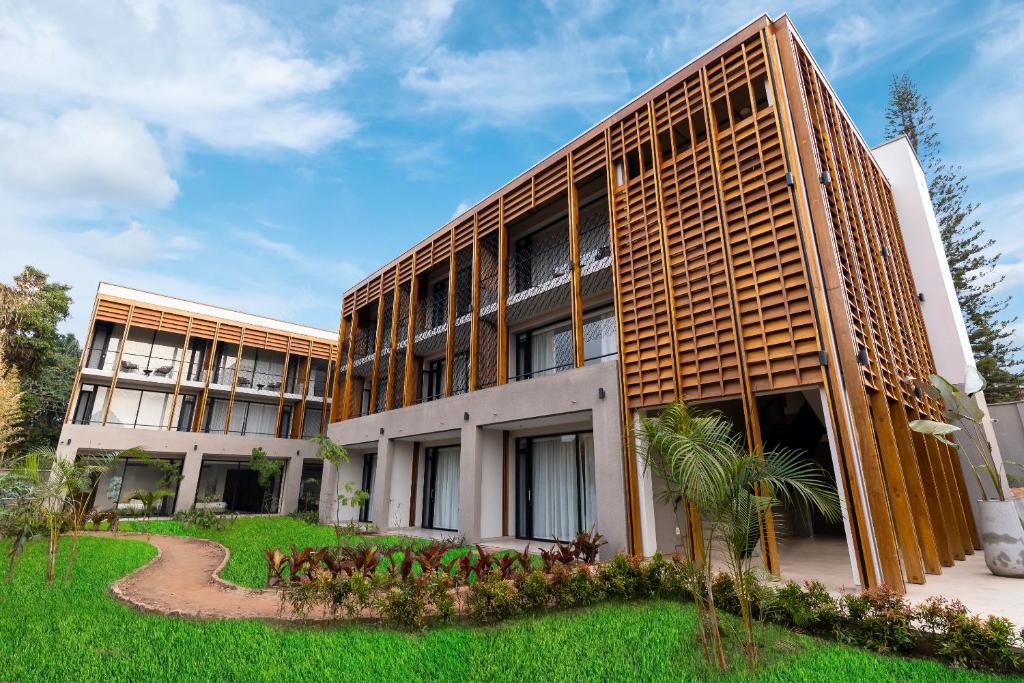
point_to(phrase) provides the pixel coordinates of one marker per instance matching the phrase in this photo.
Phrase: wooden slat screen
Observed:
(768, 269)
(709, 364)
(646, 352)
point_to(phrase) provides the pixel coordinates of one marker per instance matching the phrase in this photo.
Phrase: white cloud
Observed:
(83, 157)
(989, 93)
(135, 245)
(505, 86)
(462, 206)
(213, 71)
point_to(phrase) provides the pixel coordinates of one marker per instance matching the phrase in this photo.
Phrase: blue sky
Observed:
(264, 157)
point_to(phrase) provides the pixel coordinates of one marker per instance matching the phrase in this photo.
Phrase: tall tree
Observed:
(10, 409)
(968, 249)
(31, 309)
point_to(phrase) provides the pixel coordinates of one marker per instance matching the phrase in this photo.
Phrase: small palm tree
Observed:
(42, 490)
(702, 461)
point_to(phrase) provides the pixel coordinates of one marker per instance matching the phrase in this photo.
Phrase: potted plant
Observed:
(1002, 531)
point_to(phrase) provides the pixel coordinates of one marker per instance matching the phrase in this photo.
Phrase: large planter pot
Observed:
(1002, 535)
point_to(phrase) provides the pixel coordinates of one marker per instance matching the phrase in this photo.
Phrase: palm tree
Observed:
(45, 490)
(703, 462)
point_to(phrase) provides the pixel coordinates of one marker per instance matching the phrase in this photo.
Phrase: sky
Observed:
(265, 156)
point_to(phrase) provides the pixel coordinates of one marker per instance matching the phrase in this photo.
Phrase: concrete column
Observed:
(189, 482)
(471, 452)
(492, 476)
(328, 502)
(399, 488)
(292, 485)
(609, 475)
(380, 500)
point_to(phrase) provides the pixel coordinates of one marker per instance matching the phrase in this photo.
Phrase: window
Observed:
(665, 145)
(599, 340)
(224, 364)
(700, 127)
(285, 430)
(195, 360)
(441, 489)
(721, 113)
(138, 409)
(681, 136)
(544, 351)
(84, 407)
(433, 380)
(247, 418)
(764, 94)
(186, 413)
(549, 349)
(293, 380)
(739, 101)
(633, 164)
(439, 303)
(100, 343)
(311, 422)
(460, 373)
(556, 492)
(369, 468)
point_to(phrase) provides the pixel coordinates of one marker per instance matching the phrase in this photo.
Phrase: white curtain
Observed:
(311, 423)
(588, 500)
(123, 407)
(153, 410)
(218, 414)
(238, 417)
(261, 419)
(446, 488)
(166, 352)
(542, 352)
(555, 487)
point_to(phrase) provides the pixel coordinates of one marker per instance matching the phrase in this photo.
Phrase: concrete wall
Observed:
(943, 319)
(1009, 429)
(192, 446)
(478, 423)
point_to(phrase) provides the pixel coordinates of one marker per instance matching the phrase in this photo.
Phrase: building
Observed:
(727, 238)
(199, 387)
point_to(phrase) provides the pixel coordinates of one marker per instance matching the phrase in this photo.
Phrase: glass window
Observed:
(556, 490)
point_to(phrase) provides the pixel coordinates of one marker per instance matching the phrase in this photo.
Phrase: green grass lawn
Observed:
(79, 632)
(248, 537)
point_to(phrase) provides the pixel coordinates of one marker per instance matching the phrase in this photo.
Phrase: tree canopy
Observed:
(969, 251)
(43, 358)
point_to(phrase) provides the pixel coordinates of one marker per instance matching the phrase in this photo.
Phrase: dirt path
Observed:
(183, 581)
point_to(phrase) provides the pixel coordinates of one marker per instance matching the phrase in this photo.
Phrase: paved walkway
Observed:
(183, 581)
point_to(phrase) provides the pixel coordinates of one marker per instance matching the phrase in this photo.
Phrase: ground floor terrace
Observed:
(208, 471)
(542, 459)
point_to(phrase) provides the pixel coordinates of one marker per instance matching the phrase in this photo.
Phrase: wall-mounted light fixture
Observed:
(920, 296)
(465, 416)
(382, 430)
(600, 393)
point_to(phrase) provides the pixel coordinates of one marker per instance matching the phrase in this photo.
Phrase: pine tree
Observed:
(967, 248)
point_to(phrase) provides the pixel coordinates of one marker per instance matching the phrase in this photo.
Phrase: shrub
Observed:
(967, 640)
(533, 590)
(311, 517)
(413, 602)
(493, 599)
(810, 608)
(204, 517)
(878, 619)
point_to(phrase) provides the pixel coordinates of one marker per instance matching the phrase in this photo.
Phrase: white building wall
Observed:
(943, 319)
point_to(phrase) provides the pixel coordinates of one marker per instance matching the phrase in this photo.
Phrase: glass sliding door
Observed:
(555, 488)
(369, 467)
(441, 489)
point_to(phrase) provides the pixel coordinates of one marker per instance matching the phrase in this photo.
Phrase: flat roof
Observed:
(143, 296)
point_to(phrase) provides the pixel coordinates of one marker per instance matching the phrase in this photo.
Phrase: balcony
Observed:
(540, 274)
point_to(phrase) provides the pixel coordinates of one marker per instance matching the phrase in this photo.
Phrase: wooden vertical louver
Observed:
(755, 248)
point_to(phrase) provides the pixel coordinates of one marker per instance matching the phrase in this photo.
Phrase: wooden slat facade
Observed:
(191, 326)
